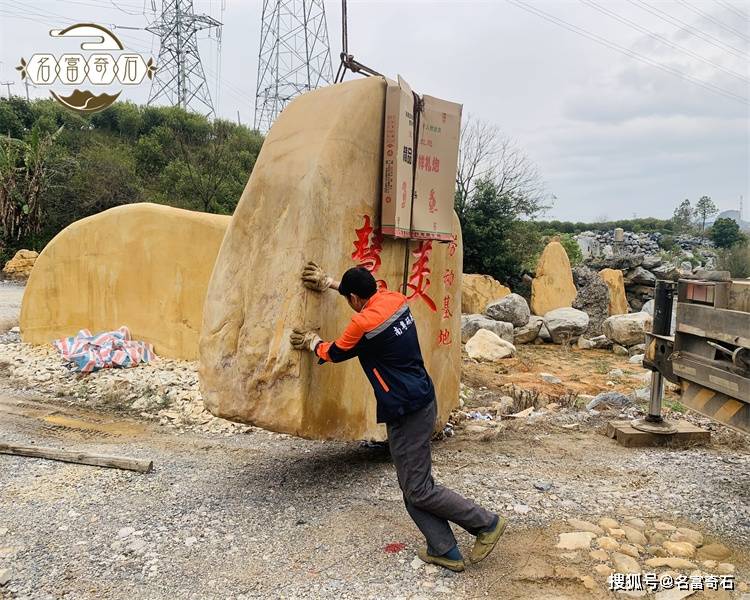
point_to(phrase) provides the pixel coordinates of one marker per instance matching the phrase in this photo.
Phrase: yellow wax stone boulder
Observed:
(142, 265)
(553, 285)
(19, 267)
(618, 300)
(477, 291)
(314, 194)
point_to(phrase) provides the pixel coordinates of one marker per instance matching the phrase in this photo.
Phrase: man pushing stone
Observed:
(383, 335)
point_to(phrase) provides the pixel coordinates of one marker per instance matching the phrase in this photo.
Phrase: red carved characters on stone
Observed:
(368, 246)
(449, 277)
(444, 337)
(419, 281)
(447, 312)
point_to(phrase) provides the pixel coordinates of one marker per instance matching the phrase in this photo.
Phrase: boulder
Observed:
(529, 332)
(600, 342)
(489, 347)
(511, 309)
(618, 302)
(623, 262)
(627, 330)
(566, 324)
(667, 271)
(553, 285)
(640, 276)
(592, 298)
(137, 265)
(648, 308)
(477, 291)
(19, 267)
(300, 205)
(651, 262)
(470, 324)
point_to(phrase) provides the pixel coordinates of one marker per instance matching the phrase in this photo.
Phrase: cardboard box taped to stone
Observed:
(419, 187)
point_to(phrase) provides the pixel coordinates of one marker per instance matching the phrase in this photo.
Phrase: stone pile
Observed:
(19, 267)
(598, 244)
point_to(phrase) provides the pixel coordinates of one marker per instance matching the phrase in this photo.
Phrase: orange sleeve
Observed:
(346, 341)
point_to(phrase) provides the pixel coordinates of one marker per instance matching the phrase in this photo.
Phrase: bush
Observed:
(667, 242)
(736, 260)
(572, 249)
(726, 233)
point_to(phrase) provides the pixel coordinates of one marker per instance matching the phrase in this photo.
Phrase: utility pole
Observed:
(294, 56)
(180, 79)
(7, 84)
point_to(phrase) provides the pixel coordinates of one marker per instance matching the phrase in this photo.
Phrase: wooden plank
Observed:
(629, 437)
(83, 458)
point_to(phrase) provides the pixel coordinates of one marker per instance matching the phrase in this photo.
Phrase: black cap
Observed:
(359, 281)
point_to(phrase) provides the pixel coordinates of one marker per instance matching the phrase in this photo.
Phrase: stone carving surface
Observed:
(314, 194)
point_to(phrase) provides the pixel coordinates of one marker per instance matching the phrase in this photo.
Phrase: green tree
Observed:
(572, 249)
(496, 242)
(683, 217)
(704, 210)
(726, 233)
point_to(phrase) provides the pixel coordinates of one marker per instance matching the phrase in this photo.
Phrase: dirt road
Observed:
(262, 515)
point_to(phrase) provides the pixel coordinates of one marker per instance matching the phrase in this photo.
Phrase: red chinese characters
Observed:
(428, 163)
(419, 281)
(449, 277)
(447, 313)
(453, 245)
(444, 337)
(368, 246)
(432, 202)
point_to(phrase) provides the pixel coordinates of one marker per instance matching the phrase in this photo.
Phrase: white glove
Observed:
(304, 339)
(315, 278)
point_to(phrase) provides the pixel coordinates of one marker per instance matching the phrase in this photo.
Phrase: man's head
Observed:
(357, 286)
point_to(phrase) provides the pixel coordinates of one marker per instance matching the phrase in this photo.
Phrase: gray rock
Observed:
(511, 309)
(566, 324)
(609, 400)
(600, 342)
(629, 329)
(640, 276)
(549, 378)
(651, 262)
(544, 334)
(648, 307)
(529, 332)
(667, 271)
(592, 298)
(470, 324)
(637, 349)
(618, 350)
(543, 486)
(637, 359)
(624, 262)
(4, 577)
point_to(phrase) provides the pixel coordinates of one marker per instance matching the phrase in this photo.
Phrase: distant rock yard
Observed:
(604, 303)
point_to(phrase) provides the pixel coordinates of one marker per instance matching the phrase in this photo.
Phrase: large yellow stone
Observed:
(618, 300)
(553, 285)
(316, 183)
(144, 265)
(477, 291)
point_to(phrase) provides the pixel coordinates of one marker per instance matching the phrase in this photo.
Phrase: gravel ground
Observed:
(11, 294)
(232, 511)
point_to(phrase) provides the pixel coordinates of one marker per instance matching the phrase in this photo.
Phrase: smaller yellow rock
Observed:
(681, 549)
(725, 568)
(588, 582)
(603, 570)
(743, 587)
(599, 555)
(607, 523)
(710, 564)
(607, 543)
(616, 533)
(662, 526)
(630, 550)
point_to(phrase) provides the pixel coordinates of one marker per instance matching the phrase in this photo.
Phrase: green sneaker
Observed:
(441, 561)
(486, 541)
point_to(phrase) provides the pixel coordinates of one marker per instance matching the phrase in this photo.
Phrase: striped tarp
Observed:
(87, 352)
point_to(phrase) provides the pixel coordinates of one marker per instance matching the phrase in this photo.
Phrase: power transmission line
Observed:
(707, 37)
(630, 53)
(294, 55)
(714, 20)
(733, 9)
(180, 78)
(662, 39)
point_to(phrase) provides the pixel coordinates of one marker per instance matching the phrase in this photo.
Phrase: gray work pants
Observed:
(430, 506)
